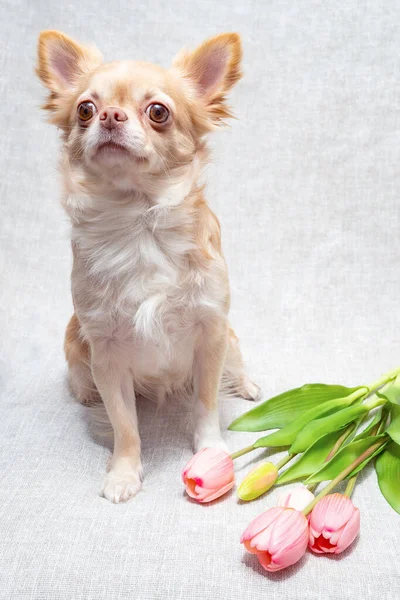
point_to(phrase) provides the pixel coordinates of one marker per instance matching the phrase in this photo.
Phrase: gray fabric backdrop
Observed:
(306, 185)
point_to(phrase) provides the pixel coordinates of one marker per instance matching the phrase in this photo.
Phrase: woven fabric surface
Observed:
(306, 185)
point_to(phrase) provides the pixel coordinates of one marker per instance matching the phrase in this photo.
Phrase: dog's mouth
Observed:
(116, 148)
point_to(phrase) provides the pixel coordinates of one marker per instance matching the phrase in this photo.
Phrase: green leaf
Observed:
(344, 458)
(367, 431)
(319, 427)
(312, 459)
(392, 392)
(287, 435)
(394, 428)
(388, 470)
(285, 408)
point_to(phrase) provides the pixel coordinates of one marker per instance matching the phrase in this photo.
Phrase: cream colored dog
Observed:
(149, 280)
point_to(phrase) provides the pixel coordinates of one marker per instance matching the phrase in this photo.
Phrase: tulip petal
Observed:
(313, 532)
(249, 547)
(273, 567)
(280, 527)
(293, 554)
(213, 494)
(350, 532)
(279, 537)
(323, 546)
(191, 488)
(334, 524)
(291, 541)
(331, 513)
(265, 560)
(219, 472)
(326, 534)
(194, 459)
(260, 523)
(213, 465)
(286, 538)
(206, 459)
(297, 498)
(262, 540)
(258, 481)
(208, 474)
(284, 529)
(334, 536)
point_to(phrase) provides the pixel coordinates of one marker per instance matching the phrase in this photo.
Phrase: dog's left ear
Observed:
(213, 68)
(61, 63)
(62, 60)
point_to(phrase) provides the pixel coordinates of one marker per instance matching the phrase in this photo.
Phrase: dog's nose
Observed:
(111, 116)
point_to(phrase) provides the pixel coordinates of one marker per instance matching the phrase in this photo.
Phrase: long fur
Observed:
(149, 280)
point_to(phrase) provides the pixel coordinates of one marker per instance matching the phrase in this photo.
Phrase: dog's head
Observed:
(132, 124)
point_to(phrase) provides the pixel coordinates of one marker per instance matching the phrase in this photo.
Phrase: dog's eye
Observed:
(86, 111)
(157, 113)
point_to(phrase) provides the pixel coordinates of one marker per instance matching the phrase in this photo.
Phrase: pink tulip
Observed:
(208, 474)
(334, 524)
(298, 498)
(278, 537)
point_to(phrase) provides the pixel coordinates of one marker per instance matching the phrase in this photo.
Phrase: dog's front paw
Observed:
(120, 487)
(209, 442)
(249, 390)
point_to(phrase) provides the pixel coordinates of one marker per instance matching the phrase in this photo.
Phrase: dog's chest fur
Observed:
(142, 282)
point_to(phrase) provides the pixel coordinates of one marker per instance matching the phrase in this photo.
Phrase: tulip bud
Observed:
(278, 537)
(297, 498)
(334, 524)
(208, 474)
(258, 481)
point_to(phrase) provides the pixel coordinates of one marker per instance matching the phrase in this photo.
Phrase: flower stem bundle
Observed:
(323, 427)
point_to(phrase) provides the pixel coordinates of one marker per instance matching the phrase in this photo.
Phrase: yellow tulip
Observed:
(258, 481)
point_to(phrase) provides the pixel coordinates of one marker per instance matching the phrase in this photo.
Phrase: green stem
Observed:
(348, 431)
(370, 405)
(384, 379)
(363, 392)
(350, 486)
(242, 451)
(380, 426)
(374, 403)
(345, 472)
(382, 423)
(361, 420)
(284, 460)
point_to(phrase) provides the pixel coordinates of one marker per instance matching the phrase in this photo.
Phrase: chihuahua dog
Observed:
(149, 280)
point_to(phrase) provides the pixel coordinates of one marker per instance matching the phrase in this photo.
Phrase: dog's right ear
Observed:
(61, 62)
(213, 69)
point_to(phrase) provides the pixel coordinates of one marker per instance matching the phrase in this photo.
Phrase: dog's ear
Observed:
(213, 68)
(62, 61)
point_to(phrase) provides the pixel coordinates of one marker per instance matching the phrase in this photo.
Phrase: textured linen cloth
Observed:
(306, 185)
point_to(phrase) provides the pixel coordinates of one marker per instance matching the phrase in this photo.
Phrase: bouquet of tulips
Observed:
(330, 432)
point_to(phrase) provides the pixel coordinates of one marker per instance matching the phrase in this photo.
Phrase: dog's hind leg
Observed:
(77, 353)
(235, 378)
